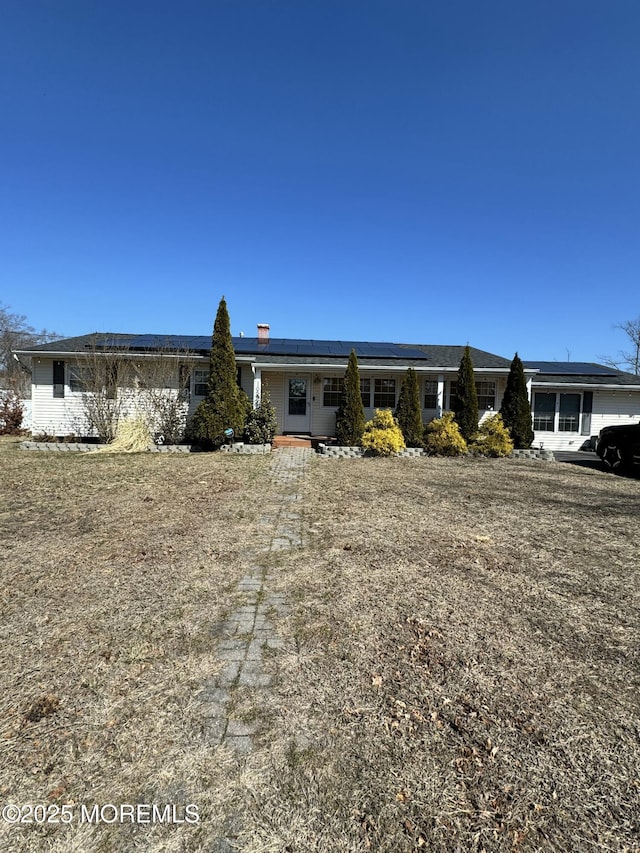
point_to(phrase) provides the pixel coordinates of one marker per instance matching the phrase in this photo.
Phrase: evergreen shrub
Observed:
(350, 414)
(226, 405)
(465, 405)
(382, 436)
(261, 425)
(492, 438)
(409, 411)
(442, 436)
(515, 408)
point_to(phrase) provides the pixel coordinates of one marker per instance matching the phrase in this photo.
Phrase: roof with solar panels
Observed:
(299, 351)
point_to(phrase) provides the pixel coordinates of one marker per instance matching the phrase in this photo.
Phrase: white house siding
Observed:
(27, 412)
(324, 417)
(610, 408)
(559, 440)
(614, 408)
(62, 416)
(54, 415)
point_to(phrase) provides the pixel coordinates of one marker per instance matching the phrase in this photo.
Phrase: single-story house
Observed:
(571, 402)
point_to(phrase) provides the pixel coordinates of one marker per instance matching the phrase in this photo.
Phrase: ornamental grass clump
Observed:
(382, 436)
(442, 437)
(493, 438)
(132, 436)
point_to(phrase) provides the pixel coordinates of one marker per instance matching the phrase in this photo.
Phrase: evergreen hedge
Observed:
(465, 405)
(350, 414)
(225, 405)
(408, 412)
(516, 409)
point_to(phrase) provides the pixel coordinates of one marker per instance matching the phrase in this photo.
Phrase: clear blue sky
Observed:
(409, 170)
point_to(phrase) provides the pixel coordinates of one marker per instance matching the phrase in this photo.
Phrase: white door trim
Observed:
(292, 422)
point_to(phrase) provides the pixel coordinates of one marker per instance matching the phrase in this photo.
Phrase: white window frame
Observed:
(556, 415)
(75, 372)
(379, 380)
(434, 382)
(486, 382)
(196, 382)
(367, 393)
(338, 388)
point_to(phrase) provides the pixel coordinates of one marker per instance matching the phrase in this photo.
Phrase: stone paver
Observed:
(248, 632)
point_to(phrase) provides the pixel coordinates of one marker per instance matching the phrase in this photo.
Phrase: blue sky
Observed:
(410, 171)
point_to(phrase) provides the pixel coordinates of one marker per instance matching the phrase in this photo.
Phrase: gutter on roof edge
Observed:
(364, 366)
(587, 385)
(129, 353)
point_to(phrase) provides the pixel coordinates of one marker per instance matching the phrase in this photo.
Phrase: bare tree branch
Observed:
(629, 359)
(154, 383)
(15, 334)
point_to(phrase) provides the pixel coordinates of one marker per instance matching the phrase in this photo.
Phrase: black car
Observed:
(619, 447)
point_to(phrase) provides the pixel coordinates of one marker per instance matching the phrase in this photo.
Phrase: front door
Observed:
(297, 416)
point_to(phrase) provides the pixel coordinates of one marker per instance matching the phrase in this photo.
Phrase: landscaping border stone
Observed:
(84, 447)
(331, 451)
(240, 447)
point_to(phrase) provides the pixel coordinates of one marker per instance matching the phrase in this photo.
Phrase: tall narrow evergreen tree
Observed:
(409, 412)
(225, 405)
(516, 409)
(465, 405)
(350, 415)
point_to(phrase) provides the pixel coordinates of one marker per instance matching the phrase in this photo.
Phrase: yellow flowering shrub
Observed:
(493, 438)
(382, 436)
(442, 436)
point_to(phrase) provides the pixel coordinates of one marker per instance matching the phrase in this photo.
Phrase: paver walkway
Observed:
(249, 629)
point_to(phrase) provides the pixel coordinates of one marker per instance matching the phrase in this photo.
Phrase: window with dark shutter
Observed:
(58, 378)
(111, 381)
(184, 381)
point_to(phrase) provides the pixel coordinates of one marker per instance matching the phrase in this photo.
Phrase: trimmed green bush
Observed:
(442, 437)
(516, 409)
(492, 438)
(350, 415)
(465, 405)
(382, 436)
(409, 412)
(261, 425)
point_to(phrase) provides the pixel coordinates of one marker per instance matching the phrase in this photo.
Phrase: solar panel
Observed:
(570, 368)
(276, 346)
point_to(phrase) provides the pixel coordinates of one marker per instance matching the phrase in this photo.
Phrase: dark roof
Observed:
(571, 368)
(110, 341)
(579, 373)
(325, 349)
(375, 354)
(450, 356)
(284, 350)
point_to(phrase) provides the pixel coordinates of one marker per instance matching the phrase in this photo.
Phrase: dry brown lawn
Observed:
(459, 673)
(115, 569)
(463, 663)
